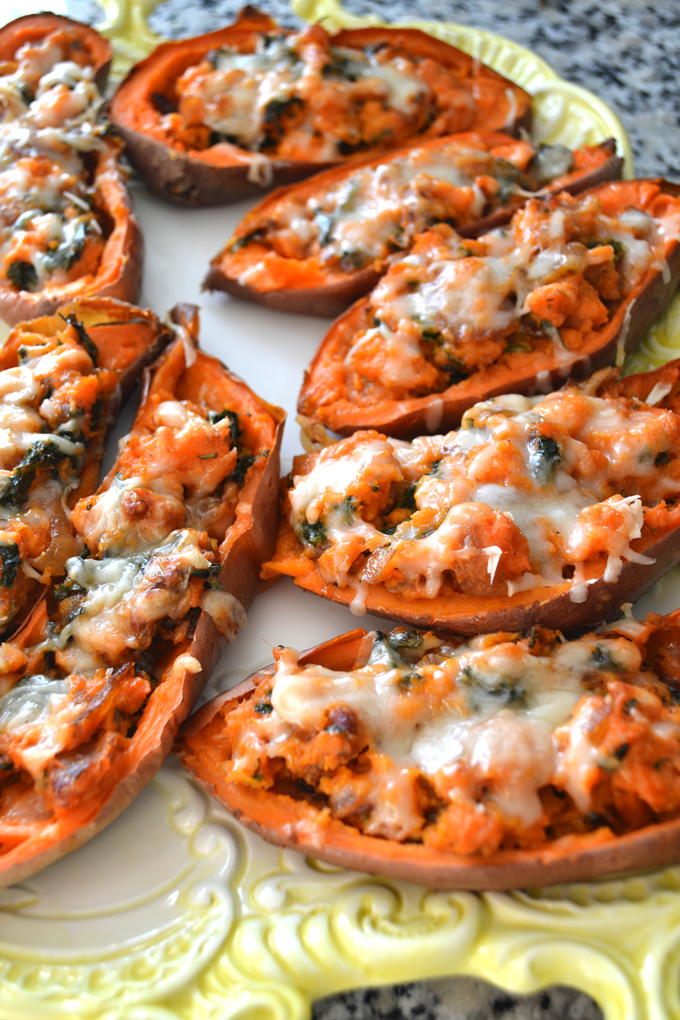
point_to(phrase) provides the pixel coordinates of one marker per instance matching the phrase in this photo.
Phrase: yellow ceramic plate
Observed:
(175, 912)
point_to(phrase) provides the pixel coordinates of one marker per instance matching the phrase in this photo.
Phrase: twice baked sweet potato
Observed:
(62, 381)
(81, 42)
(66, 224)
(548, 511)
(205, 124)
(107, 666)
(572, 285)
(315, 247)
(508, 761)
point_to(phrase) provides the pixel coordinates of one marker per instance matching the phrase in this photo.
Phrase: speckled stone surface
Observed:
(628, 52)
(455, 999)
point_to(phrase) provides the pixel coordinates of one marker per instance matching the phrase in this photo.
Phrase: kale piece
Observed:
(245, 461)
(11, 562)
(313, 534)
(544, 457)
(84, 339)
(40, 455)
(22, 274)
(396, 650)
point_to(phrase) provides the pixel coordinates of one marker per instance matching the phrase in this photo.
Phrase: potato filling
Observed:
(75, 684)
(51, 228)
(374, 214)
(506, 740)
(526, 493)
(298, 97)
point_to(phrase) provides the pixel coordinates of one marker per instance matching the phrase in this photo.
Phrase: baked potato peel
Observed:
(497, 801)
(502, 524)
(109, 663)
(191, 147)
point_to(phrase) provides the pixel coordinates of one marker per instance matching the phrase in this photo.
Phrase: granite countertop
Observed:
(628, 52)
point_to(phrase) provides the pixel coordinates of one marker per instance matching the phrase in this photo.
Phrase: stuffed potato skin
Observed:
(319, 825)
(329, 395)
(226, 172)
(383, 540)
(54, 70)
(124, 682)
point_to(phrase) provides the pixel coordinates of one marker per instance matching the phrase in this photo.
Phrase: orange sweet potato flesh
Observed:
(310, 288)
(465, 614)
(325, 396)
(301, 826)
(119, 270)
(120, 777)
(226, 173)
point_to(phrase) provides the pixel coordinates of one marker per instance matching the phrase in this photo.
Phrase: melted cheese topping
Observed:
(146, 572)
(435, 742)
(377, 211)
(48, 222)
(299, 97)
(453, 307)
(525, 493)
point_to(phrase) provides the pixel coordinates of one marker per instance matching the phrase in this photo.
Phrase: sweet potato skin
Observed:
(120, 269)
(299, 825)
(211, 178)
(552, 606)
(32, 27)
(331, 299)
(250, 538)
(405, 419)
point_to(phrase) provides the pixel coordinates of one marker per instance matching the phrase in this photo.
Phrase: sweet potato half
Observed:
(260, 263)
(97, 681)
(74, 370)
(503, 524)
(32, 29)
(518, 814)
(73, 172)
(576, 323)
(182, 159)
